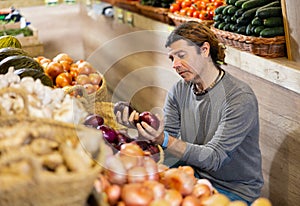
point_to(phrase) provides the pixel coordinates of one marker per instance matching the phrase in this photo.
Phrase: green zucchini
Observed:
(273, 21)
(254, 3)
(35, 74)
(269, 12)
(232, 10)
(225, 10)
(233, 19)
(11, 51)
(221, 25)
(227, 18)
(257, 21)
(239, 3)
(216, 24)
(218, 17)
(232, 2)
(241, 30)
(239, 13)
(234, 27)
(227, 27)
(249, 14)
(243, 21)
(19, 62)
(272, 32)
(272, 4)
(248, 29)
(220, 9)
(258, 29)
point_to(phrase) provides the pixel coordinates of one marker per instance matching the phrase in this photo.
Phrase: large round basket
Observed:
(266, 47)
(88, 100)
(42, 187)
(156, 13)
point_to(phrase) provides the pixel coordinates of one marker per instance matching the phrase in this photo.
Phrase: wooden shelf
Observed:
(280, 71)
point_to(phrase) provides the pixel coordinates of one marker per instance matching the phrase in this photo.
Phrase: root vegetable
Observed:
(135, 194)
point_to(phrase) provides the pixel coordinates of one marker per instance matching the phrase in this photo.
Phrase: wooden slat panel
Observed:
(279, 138)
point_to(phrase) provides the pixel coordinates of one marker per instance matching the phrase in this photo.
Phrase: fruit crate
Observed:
(31, 44)
(266, 47)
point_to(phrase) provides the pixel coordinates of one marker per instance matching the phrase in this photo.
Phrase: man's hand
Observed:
(150, 133)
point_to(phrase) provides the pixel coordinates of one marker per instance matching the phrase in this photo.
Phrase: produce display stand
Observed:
(179, 19)
(156, 13)
(31, 44)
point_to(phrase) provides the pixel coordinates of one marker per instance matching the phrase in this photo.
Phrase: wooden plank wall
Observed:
(279, 138)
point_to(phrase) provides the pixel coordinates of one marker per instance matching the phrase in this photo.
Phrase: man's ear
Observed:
(205, 49)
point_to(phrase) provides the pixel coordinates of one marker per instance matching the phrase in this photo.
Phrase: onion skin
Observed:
(151, 168)
(115, 171)
(136, 194)
(158, 188)
(137, 174)
(150, 119)
(190, 201)
(173, 197)
(131, 149)
(160, 202)
(93, 120)
(113, 194)
(201, 191)
(179, 180)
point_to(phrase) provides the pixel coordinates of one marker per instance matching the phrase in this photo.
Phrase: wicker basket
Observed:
(179, 19)
(41, 187)
(88, 100)
(127, 5)
(266, 47)
(156, 13)
(106, 110)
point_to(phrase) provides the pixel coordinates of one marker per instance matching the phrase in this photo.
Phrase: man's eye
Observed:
(181, 56)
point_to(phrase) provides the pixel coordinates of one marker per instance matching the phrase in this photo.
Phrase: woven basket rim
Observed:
(178, 17)
(133, 3)
(249, 39)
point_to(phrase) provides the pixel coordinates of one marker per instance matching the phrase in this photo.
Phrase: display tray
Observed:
(155, 13)
(179, 19)
(266, 47)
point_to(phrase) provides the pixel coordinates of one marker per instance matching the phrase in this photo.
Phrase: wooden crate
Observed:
(31, 44)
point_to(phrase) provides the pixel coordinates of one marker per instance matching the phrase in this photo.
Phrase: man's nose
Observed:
(176, 63)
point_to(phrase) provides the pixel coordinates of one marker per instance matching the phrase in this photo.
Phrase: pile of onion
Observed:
(132, 178)
(64, 71)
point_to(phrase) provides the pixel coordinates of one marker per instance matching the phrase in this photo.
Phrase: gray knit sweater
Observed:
(222, 131)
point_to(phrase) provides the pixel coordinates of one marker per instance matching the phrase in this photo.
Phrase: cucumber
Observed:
(249, 14)
(232, 2)
(257, 21)
(216, 24)
(233, 19)
(221, 25)
(248, 29)
(241, 30)
(225, 10)
(227, 19)
(258, 29)
(273, 21)
(218, 17)
(234, 27)
(269, 12)
(254, 3)
(272, 32)
(227, 27)
(220, 9)
(272, 4)
(239, 3)
(243, 21)
(232, 10)
(239, 13)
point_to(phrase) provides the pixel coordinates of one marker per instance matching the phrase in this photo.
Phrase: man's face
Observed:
(186, 61)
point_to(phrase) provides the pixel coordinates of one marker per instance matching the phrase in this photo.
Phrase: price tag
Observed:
(129, 17)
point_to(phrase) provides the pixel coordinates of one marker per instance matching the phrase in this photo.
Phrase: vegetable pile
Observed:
(260, 18)
(201, 9)
(65, 72)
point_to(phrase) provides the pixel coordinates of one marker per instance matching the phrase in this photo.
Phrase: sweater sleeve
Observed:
(238, 117)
